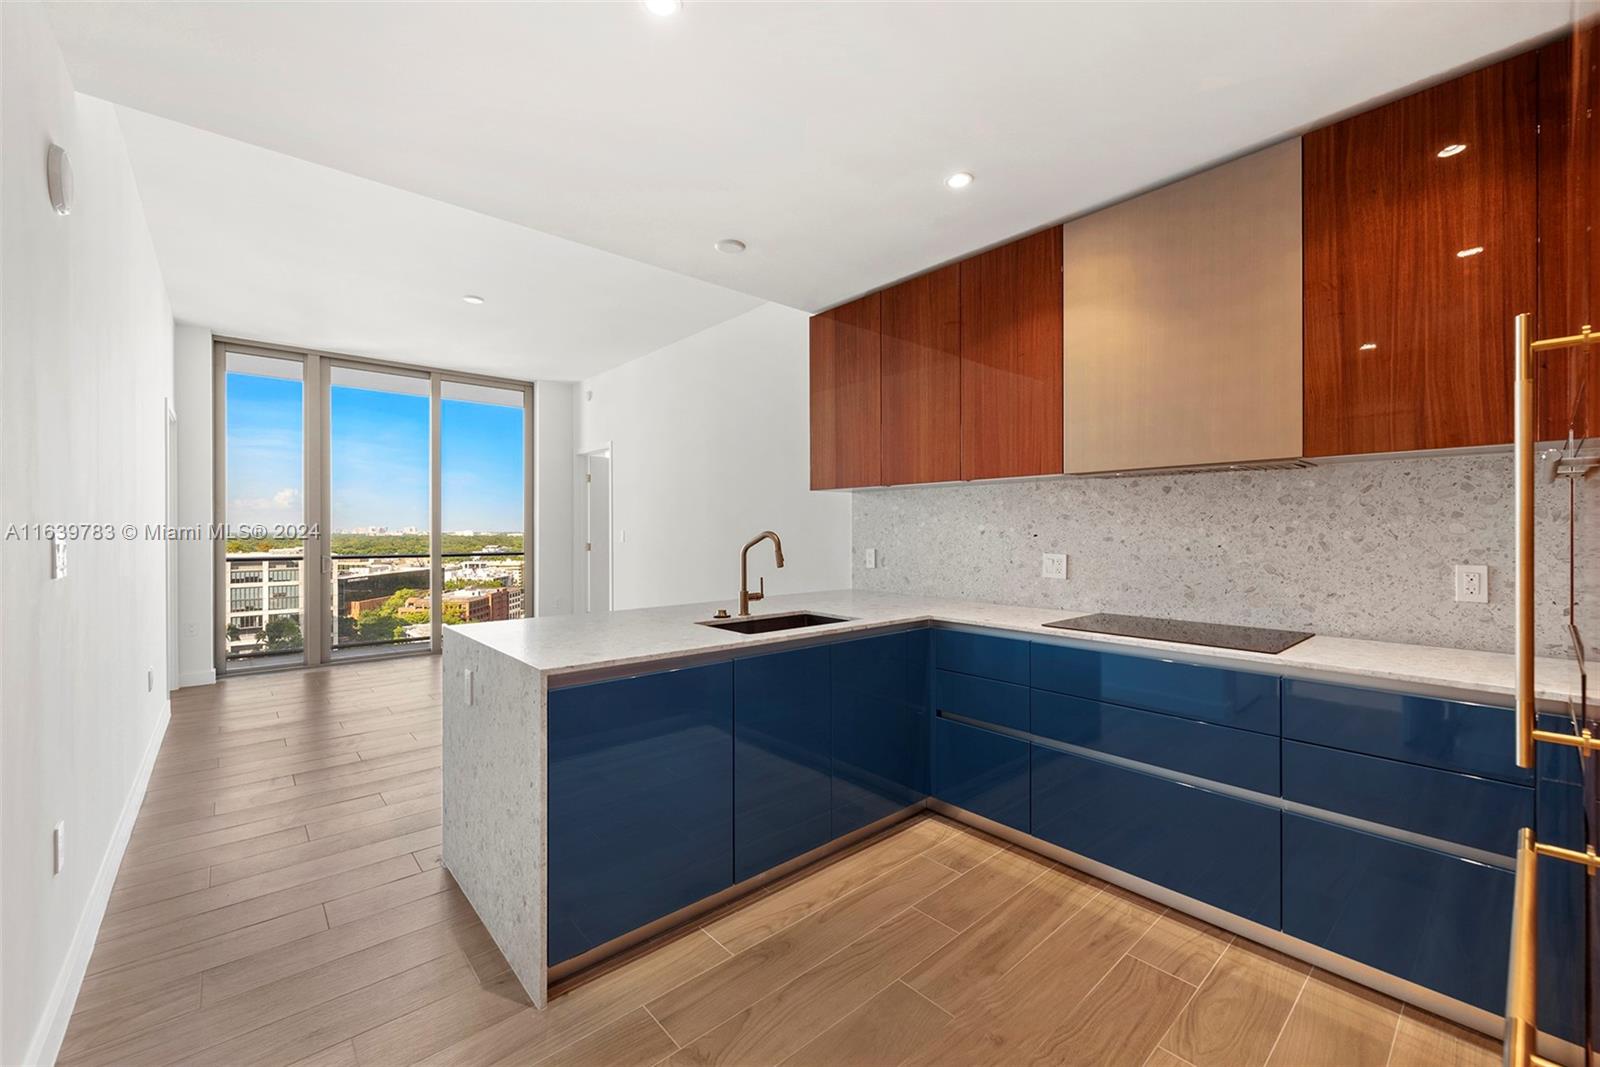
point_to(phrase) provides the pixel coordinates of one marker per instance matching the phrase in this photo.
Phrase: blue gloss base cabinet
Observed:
(667, 788)
(640, 802)
(782, 773)
(879, 708)
(1215, 848)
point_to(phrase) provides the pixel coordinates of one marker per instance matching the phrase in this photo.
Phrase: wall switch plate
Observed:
(869, 559)
(1055, 566)
(1472, 584)
(58, 559)
(466, 683)
(58, 847)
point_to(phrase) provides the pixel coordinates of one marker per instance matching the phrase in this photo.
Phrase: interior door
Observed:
(598, 531)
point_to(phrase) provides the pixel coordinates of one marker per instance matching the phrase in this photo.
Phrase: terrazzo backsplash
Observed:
(1352, 549)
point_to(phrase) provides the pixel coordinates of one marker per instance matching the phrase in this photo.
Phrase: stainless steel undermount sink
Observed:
(766, 624)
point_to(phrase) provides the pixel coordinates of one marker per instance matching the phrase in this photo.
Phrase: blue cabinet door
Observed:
(1431, 918)
(982, 771)
(1238, 757)
(983, 699)
(880, 727)
(1452, 735)
(1205, 845)
(1229, 698)
(1004, 659)
(1467, 809)
(641, 802)
(782, 772)
(1559, 821)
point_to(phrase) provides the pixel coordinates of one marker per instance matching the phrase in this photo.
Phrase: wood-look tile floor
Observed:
(282, 902)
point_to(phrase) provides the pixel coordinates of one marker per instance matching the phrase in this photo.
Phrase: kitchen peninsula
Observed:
(609, 776)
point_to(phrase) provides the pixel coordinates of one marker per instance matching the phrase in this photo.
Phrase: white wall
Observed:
(85, 375)
(196, 560)
(710, 446)
(553, 497)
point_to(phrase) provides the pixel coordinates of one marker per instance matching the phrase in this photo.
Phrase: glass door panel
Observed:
(264, 558)
(379, 584)
(482, 503)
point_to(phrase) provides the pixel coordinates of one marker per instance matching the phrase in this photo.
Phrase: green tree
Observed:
(282, 634)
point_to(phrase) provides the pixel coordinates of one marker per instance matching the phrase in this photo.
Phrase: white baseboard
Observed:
(46, 1042)
(205, 677)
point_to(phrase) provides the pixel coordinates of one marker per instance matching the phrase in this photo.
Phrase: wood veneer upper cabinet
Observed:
(1569, 231)
(1406, 342)
(1011, 359)
(845, 398)
(921, 378)
(1183, 321)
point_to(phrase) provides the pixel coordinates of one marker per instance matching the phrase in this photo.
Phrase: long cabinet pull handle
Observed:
(1523, 389)
(1523, 399)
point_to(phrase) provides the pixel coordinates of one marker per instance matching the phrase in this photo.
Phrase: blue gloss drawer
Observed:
(983, 772)
(981, 698)
(1205, 845)
(1483, 813)
(1449, 734)
(1228, 698)
(1004, 659)
(1421, 915)
(1238, 757)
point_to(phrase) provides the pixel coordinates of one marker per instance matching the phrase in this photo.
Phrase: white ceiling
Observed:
(818, 133)
(261, 245)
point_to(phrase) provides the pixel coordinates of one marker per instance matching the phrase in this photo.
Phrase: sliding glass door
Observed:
(380, 581)
(366, 506)
(263, 511)
(482, 502)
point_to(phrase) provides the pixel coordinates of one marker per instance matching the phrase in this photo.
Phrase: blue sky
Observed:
(379, 458)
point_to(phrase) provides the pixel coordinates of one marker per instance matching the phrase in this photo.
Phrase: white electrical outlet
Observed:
(1472, 584)
(869, 559)
(466, 681)
(58, 847)
(1055, 566)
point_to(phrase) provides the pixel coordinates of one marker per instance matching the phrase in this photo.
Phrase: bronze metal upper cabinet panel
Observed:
(1569, 232)
(1419, 250)
(1183, 321)
(845, 396)
(922, 379)
(1011, 359)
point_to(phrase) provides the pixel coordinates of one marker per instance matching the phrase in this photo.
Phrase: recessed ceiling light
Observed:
(959, 180)
(1465, 252)
(730, 245)
(473, 298)
(663, 7)
(1370, 346)
(1451, 150)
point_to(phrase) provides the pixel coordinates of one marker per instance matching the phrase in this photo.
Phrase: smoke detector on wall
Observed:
(58, 177)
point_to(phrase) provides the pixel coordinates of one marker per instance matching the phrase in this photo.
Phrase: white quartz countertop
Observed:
(564, 644)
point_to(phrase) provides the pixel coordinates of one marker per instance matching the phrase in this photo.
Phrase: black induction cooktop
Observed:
(1214, 634)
